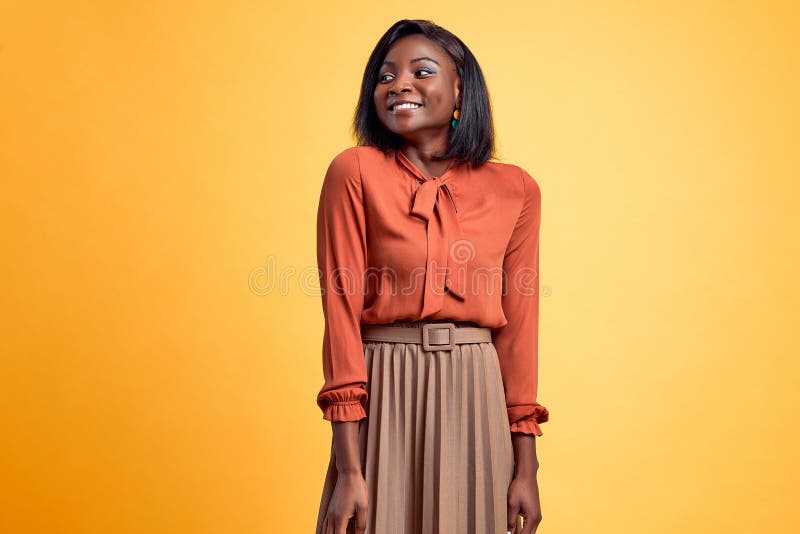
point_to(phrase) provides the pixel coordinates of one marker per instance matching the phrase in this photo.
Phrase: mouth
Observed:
(404, 107)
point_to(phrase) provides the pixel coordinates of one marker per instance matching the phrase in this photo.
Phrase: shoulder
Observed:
(344, 170)
(343, 177)
(354, 160)
(528, 183)
(513, 178)
(344, 163)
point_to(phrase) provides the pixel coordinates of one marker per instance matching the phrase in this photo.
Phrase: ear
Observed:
(458, 92)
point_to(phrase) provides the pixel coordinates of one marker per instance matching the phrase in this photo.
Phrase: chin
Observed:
(408, 126)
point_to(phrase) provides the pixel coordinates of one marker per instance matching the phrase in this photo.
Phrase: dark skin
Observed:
(349, 496)
(433, 83)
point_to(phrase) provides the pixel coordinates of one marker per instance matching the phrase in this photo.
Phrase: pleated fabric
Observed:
(435, 448)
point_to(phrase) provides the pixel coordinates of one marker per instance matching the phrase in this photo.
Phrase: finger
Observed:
(341, 525)
(361, 520)
(511, 521)
(526, 525)
(531, 523)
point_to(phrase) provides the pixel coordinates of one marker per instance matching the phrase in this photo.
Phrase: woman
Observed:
(428, 257)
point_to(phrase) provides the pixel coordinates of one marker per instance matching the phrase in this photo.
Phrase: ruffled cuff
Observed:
(343, 404)
(526, 419)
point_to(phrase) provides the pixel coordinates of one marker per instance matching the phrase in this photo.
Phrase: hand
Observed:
(523, 499)
(349, 498)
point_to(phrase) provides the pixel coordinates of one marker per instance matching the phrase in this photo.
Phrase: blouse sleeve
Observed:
(341, 258)
(517, 342)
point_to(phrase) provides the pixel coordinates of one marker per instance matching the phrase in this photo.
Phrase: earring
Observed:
(453, 123)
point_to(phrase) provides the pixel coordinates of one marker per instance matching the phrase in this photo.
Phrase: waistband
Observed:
(431, 335)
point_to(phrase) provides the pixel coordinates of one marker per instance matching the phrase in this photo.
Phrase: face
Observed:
(418, 71)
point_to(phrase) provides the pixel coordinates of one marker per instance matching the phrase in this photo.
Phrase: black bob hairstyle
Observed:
(473, 139)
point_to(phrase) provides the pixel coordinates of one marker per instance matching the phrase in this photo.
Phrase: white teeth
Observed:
(405, 106)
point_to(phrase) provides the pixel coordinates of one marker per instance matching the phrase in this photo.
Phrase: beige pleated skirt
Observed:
(435, 448)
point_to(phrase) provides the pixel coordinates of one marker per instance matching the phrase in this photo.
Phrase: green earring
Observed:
(455, 118)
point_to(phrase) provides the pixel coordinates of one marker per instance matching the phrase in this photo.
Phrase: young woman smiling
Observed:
(428, 255)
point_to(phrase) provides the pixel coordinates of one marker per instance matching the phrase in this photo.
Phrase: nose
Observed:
(400, 84)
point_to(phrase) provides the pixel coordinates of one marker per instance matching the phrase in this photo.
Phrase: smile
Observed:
(405, 107)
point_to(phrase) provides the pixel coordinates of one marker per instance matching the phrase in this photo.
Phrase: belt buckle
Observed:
(426, 333)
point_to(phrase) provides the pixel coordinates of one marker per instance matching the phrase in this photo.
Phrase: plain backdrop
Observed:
(161, 337)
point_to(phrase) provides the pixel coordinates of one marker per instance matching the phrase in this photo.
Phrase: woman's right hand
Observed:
(349, 499)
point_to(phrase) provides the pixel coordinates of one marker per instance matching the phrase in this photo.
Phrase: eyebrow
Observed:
(423, 58)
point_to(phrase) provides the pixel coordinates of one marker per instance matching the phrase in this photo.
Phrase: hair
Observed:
(473, 139)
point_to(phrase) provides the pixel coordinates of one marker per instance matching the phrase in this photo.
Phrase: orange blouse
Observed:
(394, 245)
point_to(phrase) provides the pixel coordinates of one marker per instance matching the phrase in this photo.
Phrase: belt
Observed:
(432, 336)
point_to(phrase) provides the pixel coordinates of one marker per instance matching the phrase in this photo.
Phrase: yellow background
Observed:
(161, 333)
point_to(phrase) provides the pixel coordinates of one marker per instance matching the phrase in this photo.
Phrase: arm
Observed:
(341, 258)
(517, 342)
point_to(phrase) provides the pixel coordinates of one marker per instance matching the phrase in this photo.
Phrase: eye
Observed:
(382, 78)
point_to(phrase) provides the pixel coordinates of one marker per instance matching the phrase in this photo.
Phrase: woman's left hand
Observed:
(523, 499)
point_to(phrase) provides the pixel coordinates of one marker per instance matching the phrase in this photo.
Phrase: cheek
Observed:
(377, 100)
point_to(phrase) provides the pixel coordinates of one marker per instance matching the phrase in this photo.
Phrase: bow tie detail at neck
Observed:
(427, 196)
(434, 203)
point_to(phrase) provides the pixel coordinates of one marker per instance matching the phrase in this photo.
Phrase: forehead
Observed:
(415, 46)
